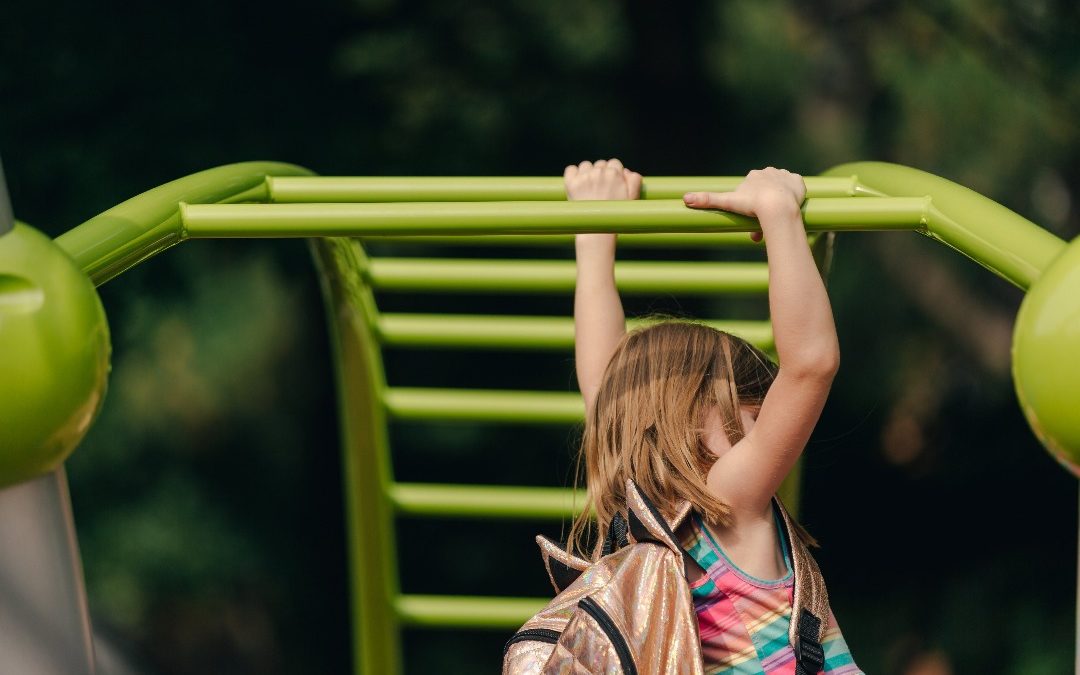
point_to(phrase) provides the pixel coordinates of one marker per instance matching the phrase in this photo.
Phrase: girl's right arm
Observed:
(599, 322)
(749, 474)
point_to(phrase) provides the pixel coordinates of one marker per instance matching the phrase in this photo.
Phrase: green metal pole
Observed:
(442, 218)
(322, 189)
(7, 219)
(147, 224)
(997, 238)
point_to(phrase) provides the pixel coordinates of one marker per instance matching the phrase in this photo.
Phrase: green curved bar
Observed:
(997, 238)
(324, 189)
(360, 381)
(146, 225)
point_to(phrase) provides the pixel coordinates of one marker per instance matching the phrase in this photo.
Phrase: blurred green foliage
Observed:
(207, 496)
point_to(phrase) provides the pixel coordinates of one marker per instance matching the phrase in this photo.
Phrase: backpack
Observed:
(631, 611)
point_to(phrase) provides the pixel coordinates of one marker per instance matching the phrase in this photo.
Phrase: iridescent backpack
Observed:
(631, 611)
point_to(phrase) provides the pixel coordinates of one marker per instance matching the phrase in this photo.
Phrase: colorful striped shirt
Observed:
(743, 620)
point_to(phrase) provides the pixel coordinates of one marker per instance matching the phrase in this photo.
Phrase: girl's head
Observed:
(666, 386)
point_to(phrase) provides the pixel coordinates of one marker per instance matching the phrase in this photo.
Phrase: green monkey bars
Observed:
(343, 216)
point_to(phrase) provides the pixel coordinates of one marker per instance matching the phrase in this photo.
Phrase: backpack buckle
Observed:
(809, 654)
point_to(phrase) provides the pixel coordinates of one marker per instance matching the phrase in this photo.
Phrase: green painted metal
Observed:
(484, 501)
(143, 226)
(518, 332)
(484, 405)
(674, 240)
(1000, 240)
(322, 189)
(1046, 357)
(448, 611)
(55, 355)
(531, 212)
(456, 275)
(350, 310)
(473, 218)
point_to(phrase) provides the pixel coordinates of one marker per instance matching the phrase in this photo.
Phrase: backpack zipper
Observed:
(532, 635)
(608, 626)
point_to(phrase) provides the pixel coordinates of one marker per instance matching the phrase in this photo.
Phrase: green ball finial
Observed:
(54, 353)
(1046, 357)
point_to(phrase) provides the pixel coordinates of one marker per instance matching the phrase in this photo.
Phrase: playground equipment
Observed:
(54, 346)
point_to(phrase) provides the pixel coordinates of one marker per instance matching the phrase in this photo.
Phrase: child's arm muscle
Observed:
(749, 474)
(599, 322)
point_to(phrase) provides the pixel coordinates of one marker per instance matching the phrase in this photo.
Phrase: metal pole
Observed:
(7, 220)
(44, 621)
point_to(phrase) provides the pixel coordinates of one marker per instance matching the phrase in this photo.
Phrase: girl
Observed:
(693, 413)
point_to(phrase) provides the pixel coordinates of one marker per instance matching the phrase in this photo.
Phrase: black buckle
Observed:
(809, 654)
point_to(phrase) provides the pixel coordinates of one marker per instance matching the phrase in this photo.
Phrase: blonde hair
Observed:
(647, 422)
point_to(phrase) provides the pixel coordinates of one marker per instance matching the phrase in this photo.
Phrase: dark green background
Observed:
(207, 496)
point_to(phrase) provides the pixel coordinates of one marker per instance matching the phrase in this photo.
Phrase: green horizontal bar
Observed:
(484, 405)
(483, 501)
(626, 240)
(470, 218)
(481, 189)
(559, 276)
(461, 611)
(519, 332)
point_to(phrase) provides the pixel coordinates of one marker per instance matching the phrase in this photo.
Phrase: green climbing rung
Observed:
(500, 188)
(483, 501)
(483, 405)
(558, 276)
(463, 611)
(518, 332)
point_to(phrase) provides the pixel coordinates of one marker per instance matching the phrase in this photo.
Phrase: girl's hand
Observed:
(765, 192)
(606, 179)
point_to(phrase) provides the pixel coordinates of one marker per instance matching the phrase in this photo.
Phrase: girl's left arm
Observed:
(749, 474)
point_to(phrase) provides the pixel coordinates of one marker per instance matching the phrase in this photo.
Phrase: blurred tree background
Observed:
(207, 496)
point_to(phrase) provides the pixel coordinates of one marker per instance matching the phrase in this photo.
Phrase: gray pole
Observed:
(7, 220)
(44, 621)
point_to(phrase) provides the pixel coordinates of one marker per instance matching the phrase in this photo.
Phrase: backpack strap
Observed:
(563, 568)
(810, 606)
(616, 535)
(646, 523)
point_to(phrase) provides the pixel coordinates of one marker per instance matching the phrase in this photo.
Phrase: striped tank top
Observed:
(743, 620)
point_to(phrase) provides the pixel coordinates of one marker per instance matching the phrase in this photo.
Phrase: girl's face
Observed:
(715, 438)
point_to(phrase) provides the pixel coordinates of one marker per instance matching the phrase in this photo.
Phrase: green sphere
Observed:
(54, 355)
(1046, 357)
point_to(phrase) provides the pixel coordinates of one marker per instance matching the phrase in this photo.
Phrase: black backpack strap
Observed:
(616, 535)
(809, 655)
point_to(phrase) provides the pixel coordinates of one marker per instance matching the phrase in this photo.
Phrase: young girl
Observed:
(692, 413)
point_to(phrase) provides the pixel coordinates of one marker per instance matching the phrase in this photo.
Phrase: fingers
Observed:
(711, 200)
(633, 183)
(570, 171)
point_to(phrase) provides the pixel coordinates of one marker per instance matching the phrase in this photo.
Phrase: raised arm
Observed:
(749, 474)
(599, 322)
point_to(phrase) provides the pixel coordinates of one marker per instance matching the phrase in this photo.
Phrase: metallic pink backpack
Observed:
(631, 611)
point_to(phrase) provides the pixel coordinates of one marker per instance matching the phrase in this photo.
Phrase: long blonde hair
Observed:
(647, 422)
